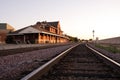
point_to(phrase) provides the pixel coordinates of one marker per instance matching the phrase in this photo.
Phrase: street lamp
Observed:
(93, 34)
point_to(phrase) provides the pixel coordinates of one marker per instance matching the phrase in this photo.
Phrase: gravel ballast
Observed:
(13, 67)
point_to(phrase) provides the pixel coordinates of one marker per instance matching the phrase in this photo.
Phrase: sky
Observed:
(77, 18)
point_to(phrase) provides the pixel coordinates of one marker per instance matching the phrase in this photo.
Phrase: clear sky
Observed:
(77, 17)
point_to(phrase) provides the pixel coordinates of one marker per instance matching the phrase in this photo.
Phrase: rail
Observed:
(44, 68)
(106, 58)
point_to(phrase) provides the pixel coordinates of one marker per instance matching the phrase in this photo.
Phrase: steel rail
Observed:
(44, 68)
(105, 57)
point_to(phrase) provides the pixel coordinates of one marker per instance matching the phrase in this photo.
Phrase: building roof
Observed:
(54, 24)
(30, 30)
(47, 24)
(25, 30)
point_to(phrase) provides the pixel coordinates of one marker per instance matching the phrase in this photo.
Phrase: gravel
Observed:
(13, 67)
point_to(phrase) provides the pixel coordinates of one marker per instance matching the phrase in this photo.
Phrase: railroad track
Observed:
(79, 63)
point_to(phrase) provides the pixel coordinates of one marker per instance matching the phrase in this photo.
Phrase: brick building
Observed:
(4, 30)
(41, 32)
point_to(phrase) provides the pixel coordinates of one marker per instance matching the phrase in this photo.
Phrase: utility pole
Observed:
(93, 34)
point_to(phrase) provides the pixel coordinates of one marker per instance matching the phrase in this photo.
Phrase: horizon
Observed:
(77, 18)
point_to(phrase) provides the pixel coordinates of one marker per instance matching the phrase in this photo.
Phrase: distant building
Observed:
(97, 39)
(114, 40)
(4, 30)
(41, 32)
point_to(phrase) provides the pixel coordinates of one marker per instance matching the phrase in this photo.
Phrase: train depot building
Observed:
(41, 32)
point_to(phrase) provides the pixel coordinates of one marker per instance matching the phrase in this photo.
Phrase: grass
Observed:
(110, 48)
